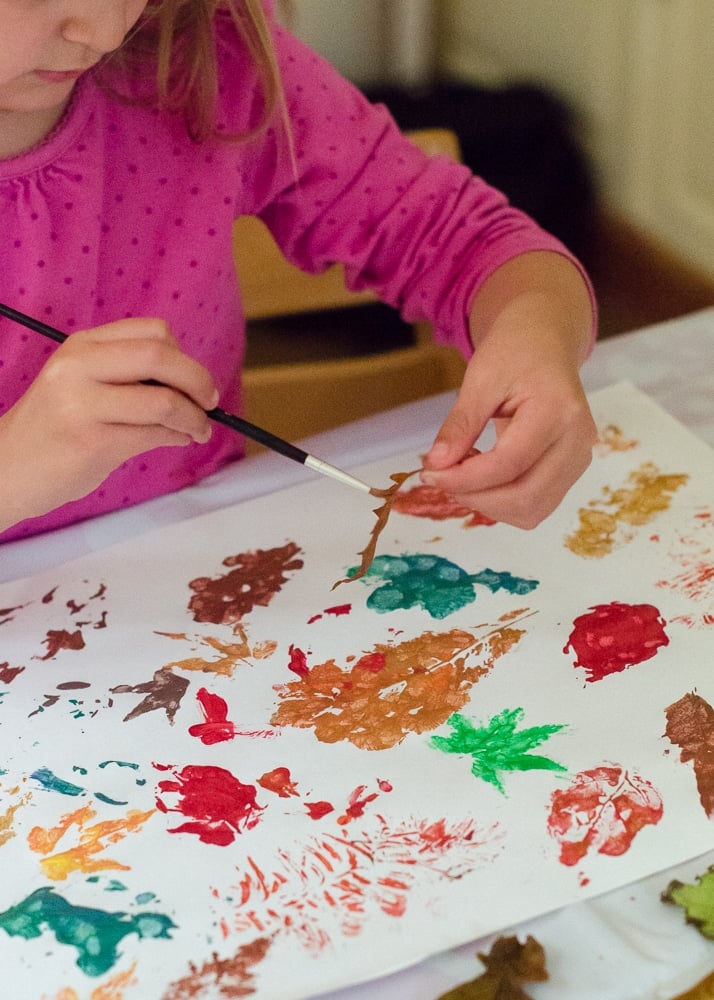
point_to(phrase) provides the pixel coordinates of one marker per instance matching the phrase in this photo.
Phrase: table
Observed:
(625, 945)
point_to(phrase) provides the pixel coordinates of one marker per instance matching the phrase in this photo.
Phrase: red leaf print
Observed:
(604, 808)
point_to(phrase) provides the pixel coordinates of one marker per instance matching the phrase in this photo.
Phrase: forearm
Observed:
(547, 288)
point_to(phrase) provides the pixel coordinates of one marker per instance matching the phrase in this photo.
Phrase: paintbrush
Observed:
(220, 416)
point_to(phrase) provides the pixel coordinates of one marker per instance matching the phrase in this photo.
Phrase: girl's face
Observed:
(48, 44)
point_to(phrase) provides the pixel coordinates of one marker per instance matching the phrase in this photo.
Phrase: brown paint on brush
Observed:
(254, 579)
(382, 514)
(690, 726)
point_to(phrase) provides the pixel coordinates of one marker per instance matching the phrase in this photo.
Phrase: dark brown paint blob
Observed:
(690, 726)
(254, 580)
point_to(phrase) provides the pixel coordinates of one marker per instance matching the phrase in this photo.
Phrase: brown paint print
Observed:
(231, 977)
(253, 580)
(690, 726)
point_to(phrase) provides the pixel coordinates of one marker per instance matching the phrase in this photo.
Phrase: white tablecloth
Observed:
(623, 946)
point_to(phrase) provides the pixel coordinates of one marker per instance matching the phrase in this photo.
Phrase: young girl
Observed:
(132, 134)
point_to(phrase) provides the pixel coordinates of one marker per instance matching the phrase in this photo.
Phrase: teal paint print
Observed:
(433, 583)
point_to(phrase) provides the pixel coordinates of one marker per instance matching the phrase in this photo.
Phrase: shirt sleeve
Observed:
(335, 180)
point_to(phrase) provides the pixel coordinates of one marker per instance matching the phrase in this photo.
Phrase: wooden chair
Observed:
(296, 399)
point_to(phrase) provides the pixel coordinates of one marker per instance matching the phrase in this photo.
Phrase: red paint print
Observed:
(217, 805)
(216, 728)
(298, 661)
(356, 806)
(335, 885)
(8, 673)
(603, 809)
(316, 810)
(279, 781)
(337, 610)
(612, 637)
(433, 503)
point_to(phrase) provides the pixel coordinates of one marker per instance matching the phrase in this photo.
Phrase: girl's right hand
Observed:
(88, 411)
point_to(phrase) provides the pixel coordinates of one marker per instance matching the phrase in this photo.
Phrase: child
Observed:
(132, 134)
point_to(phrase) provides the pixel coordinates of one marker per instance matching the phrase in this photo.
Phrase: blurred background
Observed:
(596, 116)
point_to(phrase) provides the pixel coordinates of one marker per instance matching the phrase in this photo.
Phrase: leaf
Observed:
(498, 746)
(509, 964)
(603, 808)
(697, 901)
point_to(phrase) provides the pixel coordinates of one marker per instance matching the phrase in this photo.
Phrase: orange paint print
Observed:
(7, 818)
(611, 438)
(606, 524)
(393, 690)
(229, 654)
(92, 841)
(112, 989)
(335, 884)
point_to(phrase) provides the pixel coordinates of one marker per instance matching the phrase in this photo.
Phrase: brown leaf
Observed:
(509, 964)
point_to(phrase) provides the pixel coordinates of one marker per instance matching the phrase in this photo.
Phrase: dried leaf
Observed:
(382, 514)
(508, 965)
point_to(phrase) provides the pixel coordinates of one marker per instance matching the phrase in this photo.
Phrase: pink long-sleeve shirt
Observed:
(118, 213)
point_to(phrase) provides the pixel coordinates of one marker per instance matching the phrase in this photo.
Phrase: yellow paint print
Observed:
(604, 523)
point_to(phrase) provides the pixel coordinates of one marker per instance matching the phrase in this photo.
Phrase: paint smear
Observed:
(279, 781)
(8, 673)
(217, 805)
(690, 726)
(356, 805)
(93, 840)
(95, 934)
(602, 810)
(605, 523)
(58, 639)
(7, 818)
(432, 503)
(498, 747)
(51, 783)
(163, 693)
(612, 439)
(297, 661)
(433, 583)
(335, 885)
(111, 989)
(224, 977)
(316, 810)
(394, 689)
(337, 611)
(215, 728)
(612, 637)
(253, 581)
(694, 555)
(228, 654)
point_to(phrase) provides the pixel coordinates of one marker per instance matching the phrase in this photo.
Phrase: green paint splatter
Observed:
(433, 583)
(696, 900)
(94, 933)
(52, 783)
(498, 747)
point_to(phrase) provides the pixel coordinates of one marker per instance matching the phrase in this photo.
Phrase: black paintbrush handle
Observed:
(220, 416)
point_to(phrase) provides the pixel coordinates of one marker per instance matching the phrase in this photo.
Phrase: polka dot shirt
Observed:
(118, 213)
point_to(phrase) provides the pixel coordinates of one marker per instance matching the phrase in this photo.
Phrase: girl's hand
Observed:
(87, 412)
(531, 326)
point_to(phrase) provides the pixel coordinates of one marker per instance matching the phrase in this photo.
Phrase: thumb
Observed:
(455, 438)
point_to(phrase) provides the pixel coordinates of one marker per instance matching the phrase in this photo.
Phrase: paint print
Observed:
(218, 776)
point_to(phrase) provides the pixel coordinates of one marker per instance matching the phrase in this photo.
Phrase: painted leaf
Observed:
(690, 726)
(436, 505)
(253, 581)
(433, 583)
(604, 809)
(508, 964)
(697, 901)
(392, 690)
(499, 746)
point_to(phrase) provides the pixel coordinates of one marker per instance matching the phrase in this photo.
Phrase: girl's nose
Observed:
(99, 25)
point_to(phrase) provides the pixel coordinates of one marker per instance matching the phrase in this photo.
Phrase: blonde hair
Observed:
(175, 39)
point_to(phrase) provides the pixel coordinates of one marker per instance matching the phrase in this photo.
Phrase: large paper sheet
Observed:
(222, 777)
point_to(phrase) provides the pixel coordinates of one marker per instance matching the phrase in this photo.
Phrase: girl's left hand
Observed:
(524, 375)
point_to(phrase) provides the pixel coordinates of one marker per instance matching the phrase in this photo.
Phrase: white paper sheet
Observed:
(281, 799)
